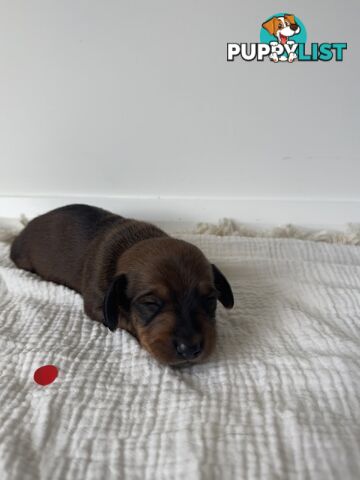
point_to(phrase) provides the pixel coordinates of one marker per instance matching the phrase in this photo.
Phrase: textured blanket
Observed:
(279, 399)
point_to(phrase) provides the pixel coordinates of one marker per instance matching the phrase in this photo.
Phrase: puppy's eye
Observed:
(150, 303)
(148, 307)
(210, 302)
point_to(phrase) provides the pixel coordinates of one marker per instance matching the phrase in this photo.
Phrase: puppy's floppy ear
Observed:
(291, 18)
(271, 25)
(115, 297)
(226, 296)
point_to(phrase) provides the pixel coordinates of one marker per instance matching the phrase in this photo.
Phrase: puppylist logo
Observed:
(282, 39)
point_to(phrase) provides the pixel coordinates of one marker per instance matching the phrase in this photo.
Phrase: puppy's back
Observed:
(54, 245)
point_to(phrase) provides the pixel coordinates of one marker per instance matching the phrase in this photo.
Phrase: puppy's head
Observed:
(282, 27)
(165, 292)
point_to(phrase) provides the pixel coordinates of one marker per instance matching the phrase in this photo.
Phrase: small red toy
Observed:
(45, 374)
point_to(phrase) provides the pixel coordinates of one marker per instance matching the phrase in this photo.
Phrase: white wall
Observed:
(135, 98)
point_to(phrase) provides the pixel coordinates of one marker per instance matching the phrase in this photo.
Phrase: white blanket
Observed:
(279, 399)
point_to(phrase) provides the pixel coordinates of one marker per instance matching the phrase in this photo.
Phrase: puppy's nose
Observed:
(188, 351)
(294, 27)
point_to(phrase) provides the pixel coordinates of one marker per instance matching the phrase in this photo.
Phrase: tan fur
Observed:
(290, 18)
(272, 25)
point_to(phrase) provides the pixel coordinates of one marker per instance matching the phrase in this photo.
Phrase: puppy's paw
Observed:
(274, 57)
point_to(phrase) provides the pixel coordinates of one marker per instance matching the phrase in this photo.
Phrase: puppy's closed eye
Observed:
(209, 303)
(148, 307)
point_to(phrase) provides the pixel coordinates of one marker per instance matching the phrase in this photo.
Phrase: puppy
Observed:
(132, 275)
(282, 28)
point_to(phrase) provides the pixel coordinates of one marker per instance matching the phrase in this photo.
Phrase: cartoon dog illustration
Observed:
(282, 28)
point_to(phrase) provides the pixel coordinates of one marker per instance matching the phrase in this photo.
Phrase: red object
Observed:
(45, 375)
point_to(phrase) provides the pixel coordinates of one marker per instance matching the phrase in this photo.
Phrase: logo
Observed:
(282, 39)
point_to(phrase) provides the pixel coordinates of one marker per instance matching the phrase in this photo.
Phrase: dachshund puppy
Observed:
(131, 275)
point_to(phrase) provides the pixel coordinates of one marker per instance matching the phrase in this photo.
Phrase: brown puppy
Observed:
(131, 275)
